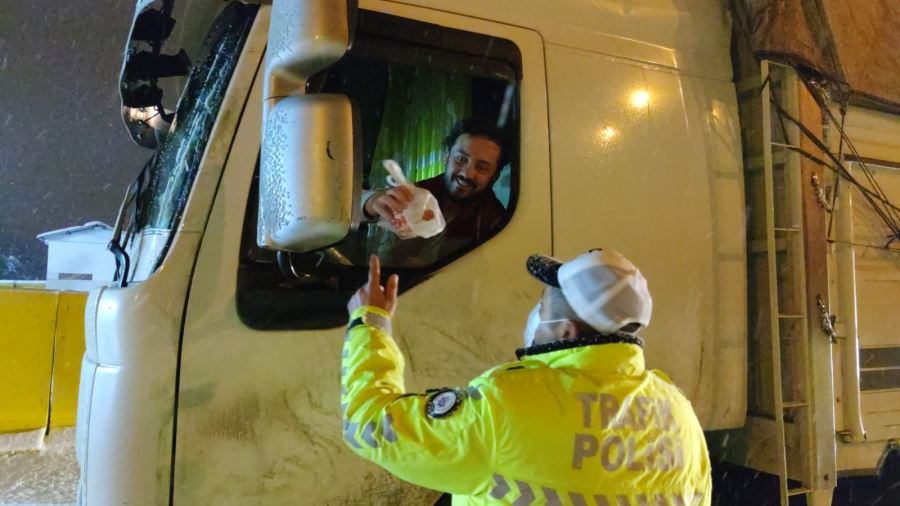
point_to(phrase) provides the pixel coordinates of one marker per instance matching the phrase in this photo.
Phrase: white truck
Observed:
(211, 367)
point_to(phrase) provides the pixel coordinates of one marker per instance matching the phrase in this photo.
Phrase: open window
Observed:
(410, 82)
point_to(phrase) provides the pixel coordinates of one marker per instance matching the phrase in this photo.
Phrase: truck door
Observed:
(257, 415)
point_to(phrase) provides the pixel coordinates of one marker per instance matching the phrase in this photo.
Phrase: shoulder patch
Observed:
(443, 403)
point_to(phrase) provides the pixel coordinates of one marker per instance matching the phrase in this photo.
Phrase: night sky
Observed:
(65, 155)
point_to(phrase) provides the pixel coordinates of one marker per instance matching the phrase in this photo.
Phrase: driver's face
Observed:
(471, 166)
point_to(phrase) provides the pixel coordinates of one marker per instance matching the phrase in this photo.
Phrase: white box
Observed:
(77, 258)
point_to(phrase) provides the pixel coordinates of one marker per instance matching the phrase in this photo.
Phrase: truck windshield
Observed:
(174, 166)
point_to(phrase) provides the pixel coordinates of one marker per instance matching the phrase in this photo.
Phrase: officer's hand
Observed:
(388, 203)
(373, 294)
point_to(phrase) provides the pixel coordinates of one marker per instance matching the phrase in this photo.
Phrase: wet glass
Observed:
(174, 166)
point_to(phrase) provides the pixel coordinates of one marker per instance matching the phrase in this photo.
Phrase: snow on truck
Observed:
(748, 167)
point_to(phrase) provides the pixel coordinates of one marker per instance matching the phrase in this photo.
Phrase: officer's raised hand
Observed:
(372, 293)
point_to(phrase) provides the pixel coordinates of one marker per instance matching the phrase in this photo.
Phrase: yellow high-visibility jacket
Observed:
(583, 425)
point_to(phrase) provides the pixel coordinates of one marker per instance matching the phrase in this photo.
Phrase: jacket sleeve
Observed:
(449, 449)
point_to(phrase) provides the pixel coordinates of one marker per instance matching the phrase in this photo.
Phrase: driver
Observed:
(474, 152)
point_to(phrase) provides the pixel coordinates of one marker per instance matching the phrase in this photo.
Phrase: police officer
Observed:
(576, 420)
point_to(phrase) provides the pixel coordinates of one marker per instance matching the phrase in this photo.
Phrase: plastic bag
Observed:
(422, 218)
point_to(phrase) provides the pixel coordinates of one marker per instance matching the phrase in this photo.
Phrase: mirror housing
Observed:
(308, 191)
(309, 182)
(305, 37)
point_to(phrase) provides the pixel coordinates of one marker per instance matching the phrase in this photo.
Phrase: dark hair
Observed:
(479, 127)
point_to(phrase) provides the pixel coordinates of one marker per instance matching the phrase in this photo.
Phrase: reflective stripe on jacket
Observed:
(586, 425)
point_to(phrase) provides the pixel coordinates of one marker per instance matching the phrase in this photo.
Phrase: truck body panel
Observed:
(660, 181)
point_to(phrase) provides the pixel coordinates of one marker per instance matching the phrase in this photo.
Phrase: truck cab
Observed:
(212, 363)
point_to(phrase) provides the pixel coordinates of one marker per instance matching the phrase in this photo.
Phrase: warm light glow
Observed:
(640, 99)
(607, 134)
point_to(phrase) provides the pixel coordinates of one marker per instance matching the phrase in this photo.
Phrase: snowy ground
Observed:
(41, 477)
(49, 477)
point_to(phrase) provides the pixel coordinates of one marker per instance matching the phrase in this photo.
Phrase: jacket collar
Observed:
(588, 340)
(611, 354)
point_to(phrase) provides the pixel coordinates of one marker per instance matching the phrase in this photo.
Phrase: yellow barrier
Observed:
(68, 351)
(41, 345)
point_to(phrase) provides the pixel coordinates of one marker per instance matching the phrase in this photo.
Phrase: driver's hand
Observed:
(373, 294)
(389, 203)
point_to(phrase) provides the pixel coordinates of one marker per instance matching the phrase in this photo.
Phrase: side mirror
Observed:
(309, 180)
(308, 191)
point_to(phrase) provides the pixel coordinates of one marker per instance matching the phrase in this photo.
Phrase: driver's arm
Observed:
(385, 203)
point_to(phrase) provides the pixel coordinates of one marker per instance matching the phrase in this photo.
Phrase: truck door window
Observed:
(411, 82)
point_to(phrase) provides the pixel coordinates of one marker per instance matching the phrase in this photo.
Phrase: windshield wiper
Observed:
(118, 242)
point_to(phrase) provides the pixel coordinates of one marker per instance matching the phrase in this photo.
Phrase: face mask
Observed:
(534, 318)
(531, 325)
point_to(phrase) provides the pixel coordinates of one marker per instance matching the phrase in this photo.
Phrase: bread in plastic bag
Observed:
(422, 217)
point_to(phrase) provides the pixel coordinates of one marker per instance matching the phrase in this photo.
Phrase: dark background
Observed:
(65, 155)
